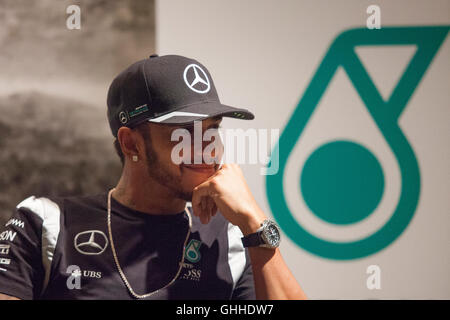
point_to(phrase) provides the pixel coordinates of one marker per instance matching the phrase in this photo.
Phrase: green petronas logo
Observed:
(337, 166)
(193, 251)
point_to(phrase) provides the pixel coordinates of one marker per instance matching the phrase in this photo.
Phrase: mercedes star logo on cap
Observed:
(194, 85)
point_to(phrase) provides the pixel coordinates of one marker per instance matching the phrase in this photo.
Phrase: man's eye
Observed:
(215, 127)
(188, 129)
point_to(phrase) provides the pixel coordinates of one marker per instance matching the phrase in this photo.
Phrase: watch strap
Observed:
(252, 240)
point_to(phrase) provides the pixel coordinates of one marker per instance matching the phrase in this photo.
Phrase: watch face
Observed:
(272, 235)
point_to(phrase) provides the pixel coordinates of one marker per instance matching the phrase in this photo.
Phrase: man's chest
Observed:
(87, 266)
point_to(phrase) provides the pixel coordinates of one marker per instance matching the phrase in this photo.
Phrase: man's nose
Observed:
(207, 152)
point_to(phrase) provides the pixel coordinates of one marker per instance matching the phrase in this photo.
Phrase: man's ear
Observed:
(129, 142)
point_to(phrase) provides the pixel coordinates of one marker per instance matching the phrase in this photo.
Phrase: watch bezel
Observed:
(264, 234)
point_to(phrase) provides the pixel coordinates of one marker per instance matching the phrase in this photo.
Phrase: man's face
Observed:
(180, 178)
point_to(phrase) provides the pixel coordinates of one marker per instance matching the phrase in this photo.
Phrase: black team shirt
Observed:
(59, 248)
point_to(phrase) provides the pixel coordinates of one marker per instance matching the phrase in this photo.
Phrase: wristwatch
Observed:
(268, 236)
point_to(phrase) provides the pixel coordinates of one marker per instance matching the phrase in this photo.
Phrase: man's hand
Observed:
(227, 191)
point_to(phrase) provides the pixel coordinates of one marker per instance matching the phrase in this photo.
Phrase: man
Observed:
(140, 240)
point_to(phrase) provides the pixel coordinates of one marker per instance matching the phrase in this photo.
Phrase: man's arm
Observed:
(6, 297)
(21, 243)
(273, 279)
(227, 191)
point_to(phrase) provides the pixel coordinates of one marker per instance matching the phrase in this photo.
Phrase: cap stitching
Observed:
(146, 83)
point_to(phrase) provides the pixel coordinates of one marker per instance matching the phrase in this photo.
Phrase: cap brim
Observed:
(202, 111)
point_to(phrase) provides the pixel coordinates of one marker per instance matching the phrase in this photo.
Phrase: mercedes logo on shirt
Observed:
(91, 242)
(196, 78)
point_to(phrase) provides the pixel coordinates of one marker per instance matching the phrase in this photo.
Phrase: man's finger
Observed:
(210, 202)
(197, 194)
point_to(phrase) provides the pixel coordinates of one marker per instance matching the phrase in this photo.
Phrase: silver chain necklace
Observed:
(122, 274)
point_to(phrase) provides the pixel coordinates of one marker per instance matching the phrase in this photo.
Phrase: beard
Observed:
(159, 171)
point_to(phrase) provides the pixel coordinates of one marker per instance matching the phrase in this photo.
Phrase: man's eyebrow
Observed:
(217, 118)
(186, 125)
(214, 125)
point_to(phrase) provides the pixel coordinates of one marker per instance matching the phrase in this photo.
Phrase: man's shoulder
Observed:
(45, 206)
(98, 200)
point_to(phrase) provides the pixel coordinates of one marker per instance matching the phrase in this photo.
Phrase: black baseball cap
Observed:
(167, 89)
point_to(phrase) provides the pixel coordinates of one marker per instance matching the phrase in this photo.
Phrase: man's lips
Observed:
(201, 168)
